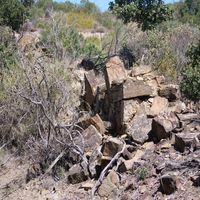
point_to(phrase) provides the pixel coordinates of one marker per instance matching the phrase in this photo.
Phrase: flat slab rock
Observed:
(91, 84)
(132, 89)
(144, 69)
(92, 138)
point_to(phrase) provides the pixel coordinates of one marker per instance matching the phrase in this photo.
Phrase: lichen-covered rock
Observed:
(139, 128)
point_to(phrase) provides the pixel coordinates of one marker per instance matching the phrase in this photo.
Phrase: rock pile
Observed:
(137, 111)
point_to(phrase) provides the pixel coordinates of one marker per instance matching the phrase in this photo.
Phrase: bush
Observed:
(190, 84)
(8, 51)
(12, 13)
(168, 45)
(146, 13)
(80, 20)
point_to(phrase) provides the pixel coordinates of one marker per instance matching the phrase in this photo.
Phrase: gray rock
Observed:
(159, 105)
(139, 128)
(132, 89)
(95, 162)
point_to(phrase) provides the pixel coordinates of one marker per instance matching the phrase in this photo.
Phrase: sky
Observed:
(103, 4)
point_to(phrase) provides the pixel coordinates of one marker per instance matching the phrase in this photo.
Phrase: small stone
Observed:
(162, 126)
(111, 147)
(139, 128)
(92, 138)
(188, 141)
(87, 185)
(130, 108)
(169, 91)
(78, 173)
(98, 123)
(159, 105)
(168, 184)
(127, 165)
(95, 162)
(109, 185)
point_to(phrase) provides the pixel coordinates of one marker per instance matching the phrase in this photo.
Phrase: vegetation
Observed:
(39, 94)
(190, 75)
(12, 13)
(188, 11)
(146, 13)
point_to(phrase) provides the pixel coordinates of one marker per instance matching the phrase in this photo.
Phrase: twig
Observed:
(55, 161)
(103, 173)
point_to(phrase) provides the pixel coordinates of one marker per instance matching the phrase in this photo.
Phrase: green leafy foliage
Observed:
(190, 84)
(12, 13)
(147, 13)
(188, 11)
(7, 48)
(141, 172)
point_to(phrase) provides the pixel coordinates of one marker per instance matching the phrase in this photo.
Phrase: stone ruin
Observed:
(135, 108)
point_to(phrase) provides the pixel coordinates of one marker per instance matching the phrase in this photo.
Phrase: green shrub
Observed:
(190, 84)
(165, 47)
(80, 20)
(141, 172)
(7, 48)
(12, 13)
(105, 19)
(146, 13)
